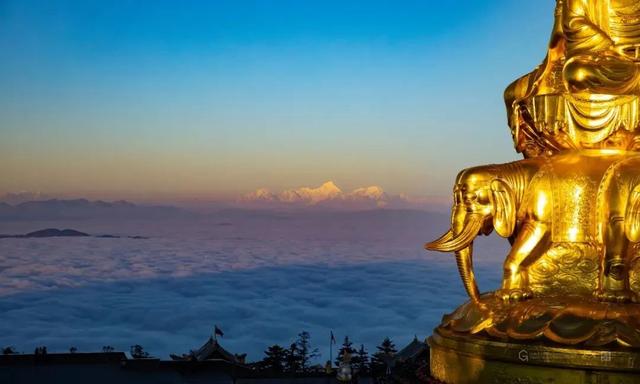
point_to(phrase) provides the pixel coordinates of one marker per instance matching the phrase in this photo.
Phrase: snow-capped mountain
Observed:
(372, 193)
(312, 196)
(262, 194)
(326, 195)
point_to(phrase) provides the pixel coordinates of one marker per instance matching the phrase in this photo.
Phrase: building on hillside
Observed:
(411, 363)
(211, 364)
(211, 350)
(413, 351)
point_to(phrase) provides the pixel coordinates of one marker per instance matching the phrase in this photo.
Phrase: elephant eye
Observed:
(470, 197)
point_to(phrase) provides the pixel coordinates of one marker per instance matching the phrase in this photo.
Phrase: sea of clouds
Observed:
(262, 277)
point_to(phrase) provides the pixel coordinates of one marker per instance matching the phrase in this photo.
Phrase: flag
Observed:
(217, 331)
(333, 339)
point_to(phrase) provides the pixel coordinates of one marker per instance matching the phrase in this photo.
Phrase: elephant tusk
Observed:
(465, 237)
(435, 244)
(464, 260)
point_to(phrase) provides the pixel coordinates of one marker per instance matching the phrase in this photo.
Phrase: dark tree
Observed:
(387, 347)
(361, 360)
(9, 350)
(345, 348)
(107, 348)
(241, 357)
(137, 352)
(275, 359)
(305, 352)
(292, 359)
(40, 351)
(382, 358)
(410, 371)
(73, 350)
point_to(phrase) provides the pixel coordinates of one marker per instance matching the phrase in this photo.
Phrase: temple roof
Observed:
(411, 350)
(209, 351)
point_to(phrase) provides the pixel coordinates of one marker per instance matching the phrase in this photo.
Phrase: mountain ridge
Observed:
(327, 194)
(54, 232)
(56, 209)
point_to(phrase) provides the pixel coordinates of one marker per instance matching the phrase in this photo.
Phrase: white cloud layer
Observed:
(262, 277)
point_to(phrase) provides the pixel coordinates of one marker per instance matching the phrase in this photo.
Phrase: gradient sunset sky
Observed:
(180, 99)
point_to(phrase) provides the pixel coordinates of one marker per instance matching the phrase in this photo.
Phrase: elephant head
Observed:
(483, 201)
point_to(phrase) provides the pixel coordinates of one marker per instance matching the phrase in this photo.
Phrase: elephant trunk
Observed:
(465, 227)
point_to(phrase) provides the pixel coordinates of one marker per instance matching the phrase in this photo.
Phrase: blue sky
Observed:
(160, 99)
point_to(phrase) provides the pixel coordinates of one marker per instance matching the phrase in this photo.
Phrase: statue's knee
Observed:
(577, 74)
(602, 74)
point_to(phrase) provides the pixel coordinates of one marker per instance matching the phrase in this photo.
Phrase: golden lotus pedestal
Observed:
(513, 343)
(462, 360)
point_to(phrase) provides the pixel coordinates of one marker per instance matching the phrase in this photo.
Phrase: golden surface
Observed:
(567, 320)
(573, 220)
(570, 210)
(585, 93)
(466, 360)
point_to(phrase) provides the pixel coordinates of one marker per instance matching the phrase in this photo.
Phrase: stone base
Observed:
(462, 359)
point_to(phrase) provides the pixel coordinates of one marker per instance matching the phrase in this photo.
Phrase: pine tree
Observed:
(9, 350)
(305, 352)
(275, 359)
(381, 359)
(387, 347)
(292, 359)
(138, 352)
(361, 360)
(345, 348)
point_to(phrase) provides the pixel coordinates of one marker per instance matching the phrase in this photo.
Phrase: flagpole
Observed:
(331, 350)
(332, 339)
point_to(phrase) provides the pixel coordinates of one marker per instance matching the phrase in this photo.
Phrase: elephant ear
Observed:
(504, 207)
(632, 217)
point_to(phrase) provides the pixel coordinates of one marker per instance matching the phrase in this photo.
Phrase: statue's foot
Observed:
(514, 294)
(620, 296)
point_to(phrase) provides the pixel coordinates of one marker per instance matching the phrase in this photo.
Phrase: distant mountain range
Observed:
(15, 198)
(49, 232)
(55, 209)
(327, 195)
(53, 232)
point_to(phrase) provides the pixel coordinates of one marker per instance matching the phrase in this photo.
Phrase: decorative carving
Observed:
(560, 319)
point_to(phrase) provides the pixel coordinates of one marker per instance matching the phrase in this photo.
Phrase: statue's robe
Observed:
(586, 93)
(601, 39)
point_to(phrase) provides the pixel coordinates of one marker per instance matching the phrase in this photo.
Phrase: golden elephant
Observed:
(620, 218)
(541, 205)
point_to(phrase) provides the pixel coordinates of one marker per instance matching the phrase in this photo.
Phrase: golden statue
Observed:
(585, 93)
(567, 310)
